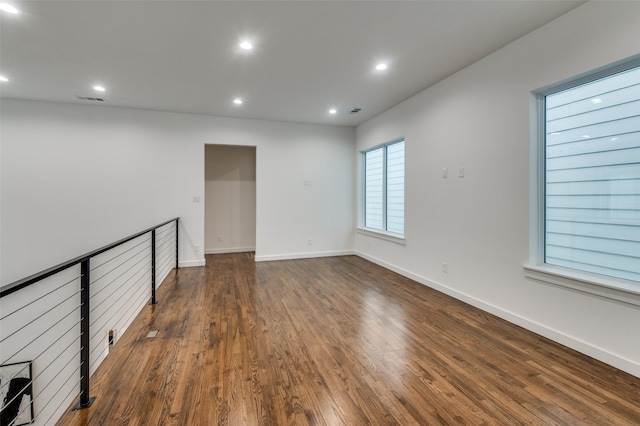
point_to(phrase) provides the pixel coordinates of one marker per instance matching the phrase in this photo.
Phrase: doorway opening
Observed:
(230, 199)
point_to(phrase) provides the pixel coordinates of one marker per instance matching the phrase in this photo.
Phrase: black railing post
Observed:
(177, 219)
(85, 281)
(153, 267)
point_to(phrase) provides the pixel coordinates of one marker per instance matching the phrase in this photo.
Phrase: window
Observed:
(384, 188)
(590, 180)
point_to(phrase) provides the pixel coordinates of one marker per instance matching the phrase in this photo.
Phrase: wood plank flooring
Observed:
(340, 341)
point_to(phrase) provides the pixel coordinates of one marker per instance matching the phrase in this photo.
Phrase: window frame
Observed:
(362, 228)
(618, 289)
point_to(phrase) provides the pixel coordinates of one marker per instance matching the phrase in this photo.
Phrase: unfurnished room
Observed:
(319, 212)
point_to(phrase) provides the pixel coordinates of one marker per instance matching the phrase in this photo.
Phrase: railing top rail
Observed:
(27, 281)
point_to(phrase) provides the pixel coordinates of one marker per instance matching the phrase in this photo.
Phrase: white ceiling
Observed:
(309, 55)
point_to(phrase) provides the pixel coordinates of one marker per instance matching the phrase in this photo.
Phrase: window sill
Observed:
(394, 238)
(610, 288)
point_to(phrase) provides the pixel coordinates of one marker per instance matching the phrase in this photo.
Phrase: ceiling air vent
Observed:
(88, 98)
(355, 110)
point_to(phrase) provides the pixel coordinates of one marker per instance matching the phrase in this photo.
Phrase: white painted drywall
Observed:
(76, 177)
(230, 199)
(479, 119)
(300, 194)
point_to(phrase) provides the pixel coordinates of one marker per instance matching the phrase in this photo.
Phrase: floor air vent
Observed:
(88, 98)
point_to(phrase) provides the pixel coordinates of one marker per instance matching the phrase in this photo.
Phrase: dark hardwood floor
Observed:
(340, 341)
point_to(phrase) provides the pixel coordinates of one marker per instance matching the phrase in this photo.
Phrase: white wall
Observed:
(230, 199)
(77, 177)
(479, 119)
(290, 213)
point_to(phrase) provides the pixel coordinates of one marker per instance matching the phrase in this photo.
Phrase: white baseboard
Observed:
(269, 258)
(191, 263)
(229, 250)
(581, 346)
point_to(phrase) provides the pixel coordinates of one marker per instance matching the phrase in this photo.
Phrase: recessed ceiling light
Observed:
(246, 45)
(99, 88)
(333, 111)
(6, 7)
(596, 100)
(237, 101)
(3, 78)
(381, 66)
(586, 136)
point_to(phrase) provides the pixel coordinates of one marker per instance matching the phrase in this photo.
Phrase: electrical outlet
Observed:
(309, 242)
(461, 172)
(445, 267)
(111, 340)
(445, 172)
(219, 238)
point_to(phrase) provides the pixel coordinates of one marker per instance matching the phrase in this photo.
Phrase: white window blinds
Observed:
(395, 188)
(384, 188)
(374, 188)
(592, 176)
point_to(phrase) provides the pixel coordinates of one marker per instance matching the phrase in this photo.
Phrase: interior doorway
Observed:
(230, 199)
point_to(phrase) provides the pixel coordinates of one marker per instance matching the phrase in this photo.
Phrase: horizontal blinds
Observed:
(374, 185)
(592, 172)
(395, 188)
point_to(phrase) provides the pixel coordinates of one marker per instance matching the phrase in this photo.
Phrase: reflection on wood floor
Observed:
(339, 341)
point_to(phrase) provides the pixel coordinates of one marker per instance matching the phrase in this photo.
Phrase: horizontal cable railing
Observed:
(57, 326)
